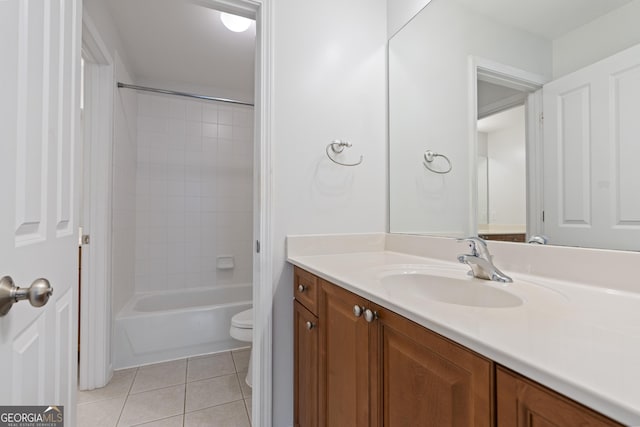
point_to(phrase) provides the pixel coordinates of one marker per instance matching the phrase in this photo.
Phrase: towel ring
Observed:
(429, 157)
(337, 146)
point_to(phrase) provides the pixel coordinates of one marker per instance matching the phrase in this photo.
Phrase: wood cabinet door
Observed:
(344, 359)
(426, 380)
(523, 403)
(305, 289)
(306, 330)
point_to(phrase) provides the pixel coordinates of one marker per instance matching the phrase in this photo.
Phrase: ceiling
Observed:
(549, 19)
(183, 45)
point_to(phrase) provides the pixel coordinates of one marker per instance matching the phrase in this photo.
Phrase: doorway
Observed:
(502, 178)
(101, 319)
(505, 97)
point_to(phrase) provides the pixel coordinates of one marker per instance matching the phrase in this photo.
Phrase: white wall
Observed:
(597, 40)
(193, 193)
(483, 179)
(399, 12)
(594, 41)
(433, 111)
(329, 82)
(124, 195)
(507, 175)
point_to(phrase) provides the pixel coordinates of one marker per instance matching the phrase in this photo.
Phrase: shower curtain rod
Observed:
(185, 94)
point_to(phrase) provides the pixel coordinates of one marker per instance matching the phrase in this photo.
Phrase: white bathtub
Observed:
(160, 326)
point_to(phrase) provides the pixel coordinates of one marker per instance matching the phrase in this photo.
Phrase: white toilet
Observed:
(242, 330)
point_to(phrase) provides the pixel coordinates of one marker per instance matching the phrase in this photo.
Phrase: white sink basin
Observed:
(444, 286)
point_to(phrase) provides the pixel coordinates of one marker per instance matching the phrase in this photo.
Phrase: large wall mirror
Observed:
(515, 119)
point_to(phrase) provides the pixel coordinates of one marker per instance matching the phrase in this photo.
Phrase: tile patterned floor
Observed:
(204, 391)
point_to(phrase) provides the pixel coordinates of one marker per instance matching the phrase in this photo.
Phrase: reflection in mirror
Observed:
(459, 62)
(502, 178)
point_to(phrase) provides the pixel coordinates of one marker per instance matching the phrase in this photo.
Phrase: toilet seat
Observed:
(243, 320)
(242, 326)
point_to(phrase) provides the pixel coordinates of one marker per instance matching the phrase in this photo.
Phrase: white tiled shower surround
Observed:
(193, 192)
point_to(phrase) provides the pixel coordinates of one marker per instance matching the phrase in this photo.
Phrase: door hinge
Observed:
(80, 236)
(542, 216)
(85, 239)
(258, 246)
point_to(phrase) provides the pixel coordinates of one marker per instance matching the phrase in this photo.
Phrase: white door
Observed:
(591, 152)
(39, 155)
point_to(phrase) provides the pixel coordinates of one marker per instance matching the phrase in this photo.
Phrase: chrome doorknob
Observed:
(38, 293)
(302, 288)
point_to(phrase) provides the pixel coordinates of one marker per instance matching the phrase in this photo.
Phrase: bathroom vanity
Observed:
(370, 351)
(366, 365)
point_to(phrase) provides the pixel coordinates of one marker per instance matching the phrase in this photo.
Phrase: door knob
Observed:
(38, 293)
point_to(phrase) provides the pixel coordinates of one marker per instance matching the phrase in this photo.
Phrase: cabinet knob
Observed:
(301, 288)
(370, 316)
(310, 325)
(357, 310)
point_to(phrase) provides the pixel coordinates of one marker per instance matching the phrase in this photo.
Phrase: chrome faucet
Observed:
(480, 261)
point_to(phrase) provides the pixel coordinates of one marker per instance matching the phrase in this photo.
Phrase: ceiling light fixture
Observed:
(235, 23)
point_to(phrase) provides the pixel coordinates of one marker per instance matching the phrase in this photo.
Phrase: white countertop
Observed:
(582, 341)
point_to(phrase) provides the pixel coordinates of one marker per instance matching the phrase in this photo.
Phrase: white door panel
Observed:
(40, 48)
(625, 134)
(66, 357)
(574, 156)
(591, 134)
(27, 349)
